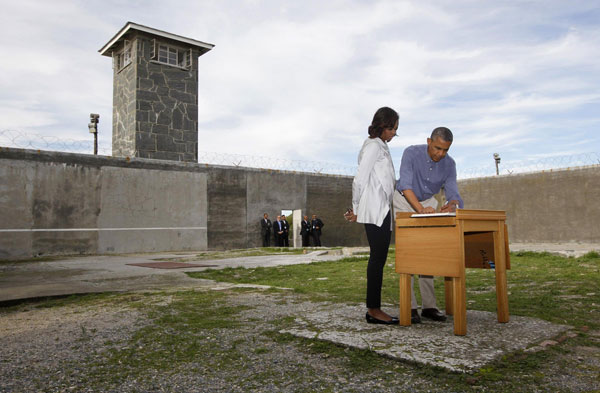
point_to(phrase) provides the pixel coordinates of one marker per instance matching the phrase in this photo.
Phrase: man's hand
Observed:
(427, 210)
(450, 207)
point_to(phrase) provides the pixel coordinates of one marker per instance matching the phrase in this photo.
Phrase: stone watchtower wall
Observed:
(155, 102)
(124, 110)
(159, 102)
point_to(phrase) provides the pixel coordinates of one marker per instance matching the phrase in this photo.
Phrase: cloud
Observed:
(302, 80)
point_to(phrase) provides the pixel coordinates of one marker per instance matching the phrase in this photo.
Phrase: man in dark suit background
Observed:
(285, 240)
(278, 232)
(315, 230)
(265, 230)
(305, 231)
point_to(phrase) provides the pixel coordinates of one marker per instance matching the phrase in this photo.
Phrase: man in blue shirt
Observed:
(424, 170)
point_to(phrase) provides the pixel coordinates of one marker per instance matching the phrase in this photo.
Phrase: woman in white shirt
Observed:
(372, 197)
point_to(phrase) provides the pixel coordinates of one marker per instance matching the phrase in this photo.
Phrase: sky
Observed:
(301, 80)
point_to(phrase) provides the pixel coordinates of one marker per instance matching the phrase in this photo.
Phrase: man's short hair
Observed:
(443, 133)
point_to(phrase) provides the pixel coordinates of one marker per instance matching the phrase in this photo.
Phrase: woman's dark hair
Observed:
(385, 118)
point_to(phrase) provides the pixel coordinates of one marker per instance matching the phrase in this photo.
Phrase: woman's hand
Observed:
(350, 216)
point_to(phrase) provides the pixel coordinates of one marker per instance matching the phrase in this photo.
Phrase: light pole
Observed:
(93, 126)
(497, 159)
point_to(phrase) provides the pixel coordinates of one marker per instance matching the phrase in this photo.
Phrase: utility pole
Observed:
(93, 127)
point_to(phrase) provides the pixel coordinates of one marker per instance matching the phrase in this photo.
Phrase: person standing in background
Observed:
(305, 231)
(285, 239)
(265, 230)
(315, 230)
(278, 232)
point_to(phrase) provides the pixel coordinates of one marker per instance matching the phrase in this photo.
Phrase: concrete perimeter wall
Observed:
(69, 204)
(557, 206)
(60, 203)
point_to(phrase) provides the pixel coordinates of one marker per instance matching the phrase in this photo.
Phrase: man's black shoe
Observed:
(414, 316)
(433, 313)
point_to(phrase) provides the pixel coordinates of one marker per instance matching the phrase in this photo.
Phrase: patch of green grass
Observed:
(237, 253)
(343, 280)
(541, 285)
(47, 258)
(546, 286)
(179, 333)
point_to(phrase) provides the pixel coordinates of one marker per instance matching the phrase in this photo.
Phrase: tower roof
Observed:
(106, 50)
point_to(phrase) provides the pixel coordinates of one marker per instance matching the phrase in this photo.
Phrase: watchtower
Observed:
(155, 93)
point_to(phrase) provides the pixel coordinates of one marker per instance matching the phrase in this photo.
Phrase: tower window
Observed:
(173, 56)
(123, 58)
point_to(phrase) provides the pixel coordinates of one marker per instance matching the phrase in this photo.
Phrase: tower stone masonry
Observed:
(155, 93)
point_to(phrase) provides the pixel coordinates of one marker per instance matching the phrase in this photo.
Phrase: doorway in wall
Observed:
(294, 218)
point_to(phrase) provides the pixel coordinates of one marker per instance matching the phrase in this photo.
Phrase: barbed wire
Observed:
(532, 165)
(24, 140)
(240, 160)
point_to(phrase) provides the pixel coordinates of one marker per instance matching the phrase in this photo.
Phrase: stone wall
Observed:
(155, 105)
(555, 206)
(124, 123)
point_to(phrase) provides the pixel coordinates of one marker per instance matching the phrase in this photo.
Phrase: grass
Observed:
(250, 252)
(543, 285)
(180, 333)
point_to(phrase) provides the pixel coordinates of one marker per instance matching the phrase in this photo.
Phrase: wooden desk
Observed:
(445, 246)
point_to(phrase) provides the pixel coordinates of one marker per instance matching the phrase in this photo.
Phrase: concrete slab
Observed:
(432, 343)
(116, 273)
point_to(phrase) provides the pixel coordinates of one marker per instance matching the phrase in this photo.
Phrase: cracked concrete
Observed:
(114, 273)
(432, 343)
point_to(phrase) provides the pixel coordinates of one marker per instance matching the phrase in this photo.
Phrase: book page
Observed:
(434, 215)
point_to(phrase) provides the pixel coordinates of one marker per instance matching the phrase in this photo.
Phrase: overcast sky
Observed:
(302, 79)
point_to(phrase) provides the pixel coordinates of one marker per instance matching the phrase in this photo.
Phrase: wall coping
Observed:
(531, 173)
(9, 153)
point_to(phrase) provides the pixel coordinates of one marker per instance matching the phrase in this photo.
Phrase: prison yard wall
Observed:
(553, 206)
(62, 203)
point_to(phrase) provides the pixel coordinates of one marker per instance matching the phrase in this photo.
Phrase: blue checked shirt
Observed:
(425, 177)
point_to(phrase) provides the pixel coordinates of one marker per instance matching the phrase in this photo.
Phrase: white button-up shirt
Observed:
(373, 185)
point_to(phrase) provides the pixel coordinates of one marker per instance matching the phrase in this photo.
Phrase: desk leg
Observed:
(460, 305)
(501, 286)
(448, 292)
(405, 299)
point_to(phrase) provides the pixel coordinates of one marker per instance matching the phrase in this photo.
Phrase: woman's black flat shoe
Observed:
(370, 319)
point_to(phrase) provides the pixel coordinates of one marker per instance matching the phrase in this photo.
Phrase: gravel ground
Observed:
(56, 349)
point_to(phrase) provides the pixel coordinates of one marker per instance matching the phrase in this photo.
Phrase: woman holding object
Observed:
(372, 196)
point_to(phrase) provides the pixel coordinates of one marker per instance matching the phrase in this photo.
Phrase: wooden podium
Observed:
(446, 246)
